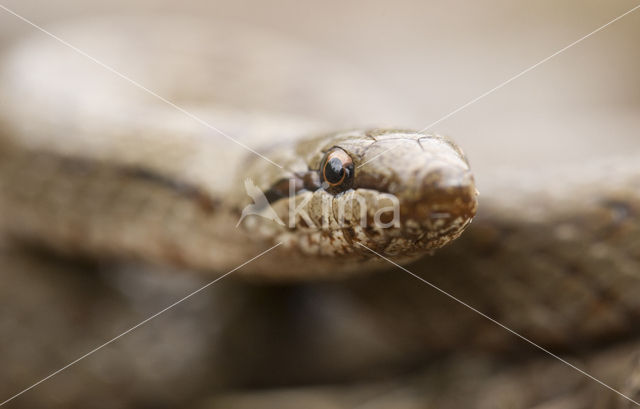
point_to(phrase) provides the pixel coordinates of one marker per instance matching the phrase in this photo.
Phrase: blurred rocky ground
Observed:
(243, 345)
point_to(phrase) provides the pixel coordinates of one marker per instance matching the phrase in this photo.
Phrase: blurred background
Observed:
(434, 56)
(429, 58)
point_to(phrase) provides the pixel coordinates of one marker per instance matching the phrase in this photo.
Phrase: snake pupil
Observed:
(334, 172)
(337, 171)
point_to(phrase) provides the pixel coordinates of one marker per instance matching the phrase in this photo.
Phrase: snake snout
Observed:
(450, 197)
(432, 182)
(444, 205)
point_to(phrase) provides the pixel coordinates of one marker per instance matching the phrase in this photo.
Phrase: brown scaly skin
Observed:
(427, 174)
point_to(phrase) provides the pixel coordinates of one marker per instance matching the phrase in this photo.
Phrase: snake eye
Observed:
(337, 169)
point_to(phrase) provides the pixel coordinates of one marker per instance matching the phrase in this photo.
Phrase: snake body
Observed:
(90, 163)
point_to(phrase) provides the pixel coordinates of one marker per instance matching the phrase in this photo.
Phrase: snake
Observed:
(125, 177)
(151, 140)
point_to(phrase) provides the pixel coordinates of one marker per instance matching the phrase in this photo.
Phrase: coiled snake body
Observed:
(92, 163)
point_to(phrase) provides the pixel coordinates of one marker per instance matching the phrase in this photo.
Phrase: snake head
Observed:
(400, 193)
(431, 180)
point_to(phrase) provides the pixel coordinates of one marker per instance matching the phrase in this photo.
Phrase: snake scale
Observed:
(92, 164)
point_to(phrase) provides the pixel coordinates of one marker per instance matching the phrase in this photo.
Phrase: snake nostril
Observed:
(439, 215)
(448, 197)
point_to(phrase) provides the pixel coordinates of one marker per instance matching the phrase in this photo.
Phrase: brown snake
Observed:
(115, 175)
(91, 164)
